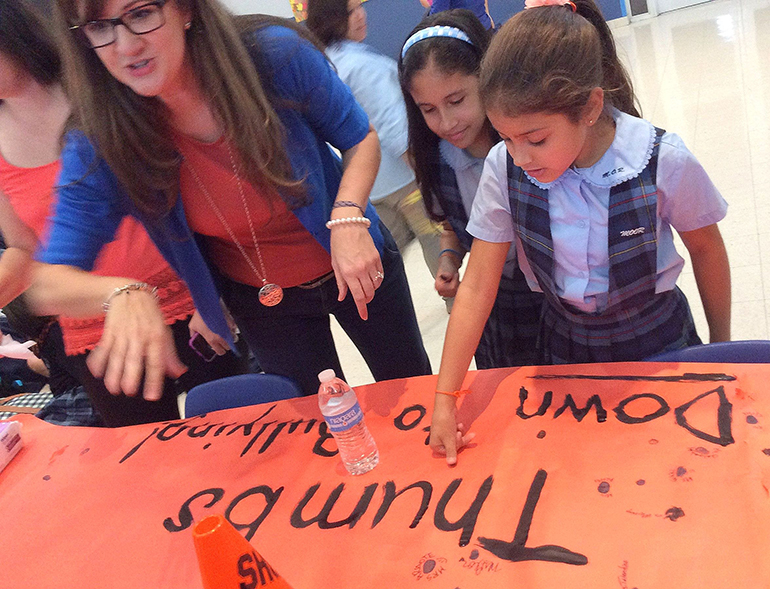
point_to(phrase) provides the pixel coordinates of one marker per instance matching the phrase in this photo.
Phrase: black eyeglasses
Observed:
(140, 20)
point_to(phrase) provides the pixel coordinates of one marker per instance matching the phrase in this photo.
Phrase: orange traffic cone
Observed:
(228, 561)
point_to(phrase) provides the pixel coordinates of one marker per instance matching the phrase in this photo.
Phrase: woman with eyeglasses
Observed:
(33, 114)
(216, 139)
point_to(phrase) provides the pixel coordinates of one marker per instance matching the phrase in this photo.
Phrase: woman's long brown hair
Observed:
(132, 133)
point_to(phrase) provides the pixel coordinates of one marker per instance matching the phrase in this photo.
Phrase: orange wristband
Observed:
(456, 394)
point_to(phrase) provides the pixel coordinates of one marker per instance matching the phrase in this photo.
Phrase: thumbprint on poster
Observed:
(429, 567)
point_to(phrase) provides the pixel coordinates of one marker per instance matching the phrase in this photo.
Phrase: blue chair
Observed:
(740, 352)
(239, 391)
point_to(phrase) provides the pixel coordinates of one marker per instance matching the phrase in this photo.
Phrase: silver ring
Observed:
(379, 276)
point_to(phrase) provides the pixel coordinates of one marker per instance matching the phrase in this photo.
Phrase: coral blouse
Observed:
(131, 253)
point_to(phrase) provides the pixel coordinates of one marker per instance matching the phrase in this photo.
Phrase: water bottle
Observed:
(343, 414)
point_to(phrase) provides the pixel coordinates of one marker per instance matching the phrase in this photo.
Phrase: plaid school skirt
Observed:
(664, 323)
(510, 335)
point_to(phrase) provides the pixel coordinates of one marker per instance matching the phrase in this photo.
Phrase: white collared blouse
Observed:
(578, 207)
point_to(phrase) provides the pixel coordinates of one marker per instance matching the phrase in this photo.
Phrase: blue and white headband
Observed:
(430, 32)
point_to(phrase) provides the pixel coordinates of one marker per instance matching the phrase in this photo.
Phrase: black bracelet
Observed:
(347, 203)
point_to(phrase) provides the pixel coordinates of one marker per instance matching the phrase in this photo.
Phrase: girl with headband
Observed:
(449, 137)
(589, 193)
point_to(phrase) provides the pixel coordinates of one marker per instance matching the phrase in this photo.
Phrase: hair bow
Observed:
(539, 3)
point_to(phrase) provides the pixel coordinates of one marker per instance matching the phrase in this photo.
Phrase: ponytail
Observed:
(616, 82)
(549, 58)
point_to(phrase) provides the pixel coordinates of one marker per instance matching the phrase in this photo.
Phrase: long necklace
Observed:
(269, 294)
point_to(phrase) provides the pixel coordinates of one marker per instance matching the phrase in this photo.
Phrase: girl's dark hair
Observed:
(449, 56)
(26, 39)
(328, 20)
(549, 58)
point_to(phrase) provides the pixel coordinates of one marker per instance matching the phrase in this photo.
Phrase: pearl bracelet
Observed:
(346, 220)
(153, 290)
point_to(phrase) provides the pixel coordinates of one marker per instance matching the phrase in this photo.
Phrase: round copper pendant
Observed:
(270, 295)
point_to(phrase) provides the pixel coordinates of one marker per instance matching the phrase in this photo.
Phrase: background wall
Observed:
(390, 21)
(274, 7)
(387, 32)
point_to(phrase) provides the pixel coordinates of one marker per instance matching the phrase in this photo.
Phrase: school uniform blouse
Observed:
(92, 203)
(373, 78)
(578, 207)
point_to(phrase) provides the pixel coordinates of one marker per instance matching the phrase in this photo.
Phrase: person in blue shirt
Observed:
(170, 95)
(341, 27)
(479, 7)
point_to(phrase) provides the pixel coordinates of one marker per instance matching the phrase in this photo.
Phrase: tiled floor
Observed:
(704, 73)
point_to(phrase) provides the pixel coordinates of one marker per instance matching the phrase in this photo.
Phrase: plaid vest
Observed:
(510, 334)
(637, 322)
(452, 203)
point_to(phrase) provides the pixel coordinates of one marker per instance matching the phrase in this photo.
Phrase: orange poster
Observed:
(648, 476)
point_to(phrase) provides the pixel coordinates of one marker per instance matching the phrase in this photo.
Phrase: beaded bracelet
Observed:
(347, 203)
(143, 286)
(346, 220)
(456, 394)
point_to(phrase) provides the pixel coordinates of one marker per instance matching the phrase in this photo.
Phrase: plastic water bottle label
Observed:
(345, 420)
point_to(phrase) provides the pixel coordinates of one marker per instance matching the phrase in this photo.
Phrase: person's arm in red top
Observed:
(16, 261)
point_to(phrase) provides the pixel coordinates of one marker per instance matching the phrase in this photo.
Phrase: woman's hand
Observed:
(355, 259)
(448, 276)
(136, 344)
(197, 325)
(356, 263)
(446, 435)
